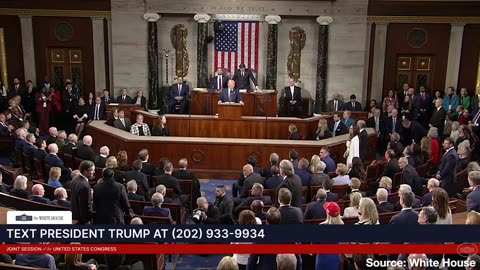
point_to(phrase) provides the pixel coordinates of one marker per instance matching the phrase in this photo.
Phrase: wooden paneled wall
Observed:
(13, 47)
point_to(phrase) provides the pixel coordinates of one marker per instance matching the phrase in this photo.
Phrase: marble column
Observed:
(202, 49)
(99, 54)
(379, 49)
(272, 44)
(28, 48)
(155, 99)
(454, 54)
(322, 64)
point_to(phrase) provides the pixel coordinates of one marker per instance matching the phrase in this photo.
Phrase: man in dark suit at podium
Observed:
(230, 94)
(219, 81)
(293, 98)
(179, 93)
(242, 78)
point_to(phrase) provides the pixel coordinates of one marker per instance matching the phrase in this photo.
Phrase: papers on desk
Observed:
(243, 90)
(114, 104)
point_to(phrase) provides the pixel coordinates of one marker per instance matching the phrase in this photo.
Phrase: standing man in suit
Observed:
(110, 200)
(224, 203)
(183, 173)
(122, 122)
(410, 176)
(378, 123)
(394, 124)
(16, 89)
(438, 117)
(98, 110)
(230, 94)
(363, 140)
(423, 102)
(289, 214)
(81, 193)
(335, 104)
(169, 181)
(156, 210)
(407, 215)
(416, 129)
(401, 94)
(448, 167)
(179, 93)
(293, 98)
(124, 98)
(242, 77)
(353, 105)
(473, 199)
(219, 81)
(290, 181)
(339, 128)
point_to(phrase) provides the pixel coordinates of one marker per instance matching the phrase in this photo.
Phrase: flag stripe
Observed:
(257, 34)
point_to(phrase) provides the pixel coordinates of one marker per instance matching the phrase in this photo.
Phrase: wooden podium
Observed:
(230, 110)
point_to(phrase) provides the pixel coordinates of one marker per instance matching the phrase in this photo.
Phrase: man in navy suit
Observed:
(289, 214)
(315, 209)
(275, 180)
(219, 81)
(431, 185)
(124, 98)
(29, 148)
(61, 198)
(423, 103)
(407, 215)
(394, 124)
(53, 160)
(179, 93)
(293, 98)
(473, 199)
(97, 111)
(448, 167)
(230, 94)
(38, 192)
(383, 205)
(417, 131)
(257, 194)
(301, 171)
(353, 105)
(339, 128)
(327, 185)
(438, 117)
(242, 77)
(157, 210)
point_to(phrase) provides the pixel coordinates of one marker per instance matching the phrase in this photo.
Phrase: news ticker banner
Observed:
(259, 234)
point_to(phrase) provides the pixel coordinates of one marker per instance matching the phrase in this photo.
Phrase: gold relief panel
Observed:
(404, 63)
(75, 56)
(423, 63)
(3, 59)
(58, 56)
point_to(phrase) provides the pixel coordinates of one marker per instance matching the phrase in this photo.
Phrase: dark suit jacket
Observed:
(213, 215)
(341, 129)
(331, 106)
(100, 161)
(389, 125)
(214, 82)
(349, 107)
(417, 131)
(40, 154)
(235, 96)
(225, 208)
(290, 215)
(185, 92)
(141, 180)
(243, 82)
(448, 171)
(332, 197)
(473, 200)
(381, 123)
(143, 101)
(294, 136)
(405, 217)
(273, 182)
(305, 177)
(50, 140)
(294, 184)
(385, 207)
(185, 174)
(438, 120)
(21, 193)
(297, 94)
(157, 212)
(101, 112)
(81, 200)
(416, 204)
(315, 210)
(86, 153)
(391, 168)
(105, 102)
(411, 177)
(427, 199)
(169, 182)
(248, 202)
(64, 203)
(70, 149)
(148, 168)
(128, 100)
(41, 199)
(248, 184)
(29, 150)
(363, 141)
(118, 124)
(55, 161)
(135, 197)
(266, 172)
(4, 132)
(318, 179)
(111, 203)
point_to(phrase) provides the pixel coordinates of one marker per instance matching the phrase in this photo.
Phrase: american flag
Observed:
(237, 44)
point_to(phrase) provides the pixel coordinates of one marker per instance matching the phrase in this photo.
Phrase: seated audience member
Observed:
(161, 164)
(140, 100)
(163, 190)
(122, 161)
(178, 96)
(293, 132)
(354, 187)
(318, 175)
(169, 181)
(102, 158)
(463, 156)
(136, 221)
(290, 214)
(124, 98)
(290, 181)
(20, 139)
(209, 213)
(386, 183)
(111, 163)
(20, 188)
(440, 201)
(4, 188)
(408, 154)
(275, 180)
(61, 140)
(342, 178)
(353, 105)
(111, 121)
(140, 128)
(473, 218)
(352, 210)
(161, 128)
(346, 120)
(54, 176)
(250, 178)
(407, 216)
(383, 205)
(139, 177)
(293, 158)
(156, 209)
(74, 262)
(338, 128)
(5, 129)
(85, 150)
(40, 153)
(36, 260)
(53, 134)
(357, 170)
(335, 104)
(322, 131)
(122, 122)
(147, 168)
(315, 209)
(257, 208)
(410, 176)
(330, 165)
(224, 203)
(29, 148)
(405, 188)
(395, 144)
(61, 198)
(431, 185)
(257, 194)
(286, 261)
(132, 189)
(428, 215)
(473, 199)
(331, 197)
(391, 168)
(183, 173)
(367, 212)
(227, 263)
(71, 147)
(301, 171)
(266, 172)
(37, 194)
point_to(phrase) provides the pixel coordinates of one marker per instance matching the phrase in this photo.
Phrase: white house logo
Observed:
(23, 217)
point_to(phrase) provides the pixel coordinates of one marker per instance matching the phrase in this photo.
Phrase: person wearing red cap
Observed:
(330, 261)
(333, 213)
